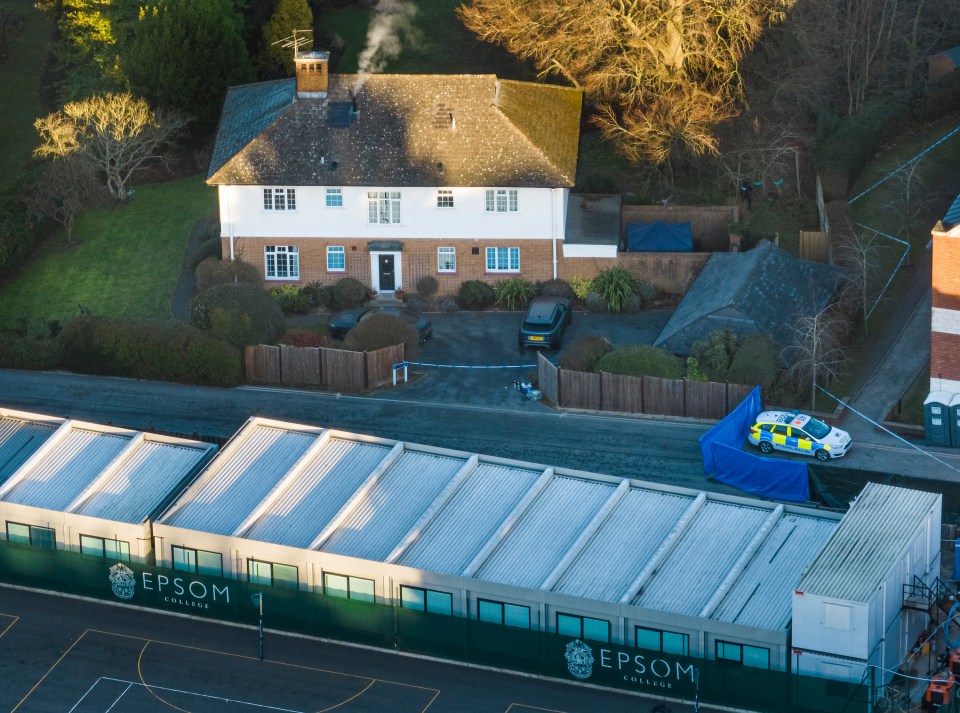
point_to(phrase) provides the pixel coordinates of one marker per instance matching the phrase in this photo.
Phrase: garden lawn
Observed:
(125, 264)
(28, 33)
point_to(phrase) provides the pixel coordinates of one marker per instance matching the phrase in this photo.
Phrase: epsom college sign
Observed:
(604, 665)
(173, 591)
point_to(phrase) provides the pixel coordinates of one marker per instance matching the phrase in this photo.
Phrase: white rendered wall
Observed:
(810, 631)
(540, 215)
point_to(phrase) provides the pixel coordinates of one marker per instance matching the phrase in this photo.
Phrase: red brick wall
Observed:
(944, 362)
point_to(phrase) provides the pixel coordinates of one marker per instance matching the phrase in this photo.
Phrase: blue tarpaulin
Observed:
(723, 458)
(659, 237)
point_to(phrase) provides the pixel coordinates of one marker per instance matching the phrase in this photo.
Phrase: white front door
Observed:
(386, 271)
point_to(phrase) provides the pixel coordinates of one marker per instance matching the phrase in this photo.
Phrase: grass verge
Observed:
(125, 264)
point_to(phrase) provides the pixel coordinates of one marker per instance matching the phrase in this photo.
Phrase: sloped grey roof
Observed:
(759, 291)
(952, 217)
(411, 130)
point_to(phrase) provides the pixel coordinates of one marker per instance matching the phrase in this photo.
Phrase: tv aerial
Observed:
(296, 40)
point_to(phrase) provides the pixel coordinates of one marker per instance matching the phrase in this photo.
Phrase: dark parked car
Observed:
(546, 320)
(343, 322)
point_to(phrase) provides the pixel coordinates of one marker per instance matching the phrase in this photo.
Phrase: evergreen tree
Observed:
(185, 53)
(276, 60)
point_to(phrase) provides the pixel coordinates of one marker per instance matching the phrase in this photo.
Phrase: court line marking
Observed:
(44, 676)
(435, 696)
(15, 620)
(129, 686)
(254, 658)
(533, 708)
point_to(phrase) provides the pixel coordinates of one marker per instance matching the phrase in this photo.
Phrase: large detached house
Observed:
(388, 178)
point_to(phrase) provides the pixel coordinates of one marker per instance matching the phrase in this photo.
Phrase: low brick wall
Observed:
(708, 224)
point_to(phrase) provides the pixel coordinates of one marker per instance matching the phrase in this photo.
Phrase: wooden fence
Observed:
(815, 246)
(638, 394)
(321, 367)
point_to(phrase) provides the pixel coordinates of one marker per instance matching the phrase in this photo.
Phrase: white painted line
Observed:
(129, 685)
(202, 695)
(85, 695)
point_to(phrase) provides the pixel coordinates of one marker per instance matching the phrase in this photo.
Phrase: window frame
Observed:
(583, 620)
(284, 583)
(445, 198)
(450, 252)
(741, 650)
(290, 259)
(118, 555)
(501, 200)
(30, 535)
(425, 600)
(196, 567)
(350, 588)
(335, 195)
(279, 199)
(496, 253)
(383, 207)
(336, 250)
(503, 613)
(685, 638)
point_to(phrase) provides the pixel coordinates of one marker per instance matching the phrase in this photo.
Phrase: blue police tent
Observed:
(659, 237)
(723, 458)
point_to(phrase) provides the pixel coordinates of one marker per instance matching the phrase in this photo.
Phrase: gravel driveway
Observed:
(490, 339)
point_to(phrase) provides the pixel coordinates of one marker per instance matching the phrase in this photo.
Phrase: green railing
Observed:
(454, 638)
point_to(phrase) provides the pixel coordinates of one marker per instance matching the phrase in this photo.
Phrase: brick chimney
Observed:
(312, 73)
(945, 313)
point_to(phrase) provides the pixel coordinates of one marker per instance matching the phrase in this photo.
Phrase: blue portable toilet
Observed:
(954, 413)
(936, 418)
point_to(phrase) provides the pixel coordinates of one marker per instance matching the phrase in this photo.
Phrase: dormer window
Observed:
(279, 198)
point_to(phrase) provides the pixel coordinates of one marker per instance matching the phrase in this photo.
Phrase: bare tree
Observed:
(66, 187)
(816, 353)
(858, 255)
(867, 27)
(911, 197)
(114, 133)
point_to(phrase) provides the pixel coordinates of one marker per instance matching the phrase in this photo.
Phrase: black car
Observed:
(343, 322)
(546, 320)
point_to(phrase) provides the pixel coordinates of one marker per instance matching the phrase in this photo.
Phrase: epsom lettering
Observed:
(644, 671)
(175, 590)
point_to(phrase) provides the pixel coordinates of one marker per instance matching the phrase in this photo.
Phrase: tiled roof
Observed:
(411, 130)
(759, 291)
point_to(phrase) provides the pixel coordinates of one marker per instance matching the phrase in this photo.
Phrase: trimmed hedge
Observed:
(427, 286)
(555, 288)
(146, 350)
(642, 361)
(240, 314)
(349, 292)
(583, 354)
(476, 294)
(213, 271)
(18, 351)
(755, 362)
(382, 330)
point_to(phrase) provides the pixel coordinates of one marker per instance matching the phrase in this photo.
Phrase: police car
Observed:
(798, 433)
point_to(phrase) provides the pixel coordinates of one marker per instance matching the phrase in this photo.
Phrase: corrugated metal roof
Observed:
(233, 485)
(549, 528)
(393, 506)
(714, 540)
(620, 540)
(869, 542)
(141, 483)
(762, 595)
(318, 493)
(61, 475)
(20, 439)
(488, 496)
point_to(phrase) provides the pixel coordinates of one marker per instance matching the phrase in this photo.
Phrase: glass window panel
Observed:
(446, 259)
(728, 652)
(569, 625)
(43, 537)
(596, 629)
(491, 258)
(514, 258)
(648, 639)
(294, 258)
(361, 589)
(91, 546)
(412, 598)
(267, 199)
(336, 258)
(439, 602)
(515, 615)
(334, 198)
(279, 203)
(285, 576)
(489, 201)
(18, 533)
(115, 549)
(490, 612)
(209, 563)
(513, 201)
(260, 572)
(184, 559)
(501, 201)
(756, 657)
(291, 198)
(335, 585)
(676, 643)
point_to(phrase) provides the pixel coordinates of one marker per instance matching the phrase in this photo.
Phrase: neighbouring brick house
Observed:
(945, 312)
(388, 178)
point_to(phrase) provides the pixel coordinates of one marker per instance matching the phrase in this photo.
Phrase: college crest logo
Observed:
(579, 659)
(122, 581)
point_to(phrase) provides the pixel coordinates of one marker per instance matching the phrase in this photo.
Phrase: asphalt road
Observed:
(60, 654)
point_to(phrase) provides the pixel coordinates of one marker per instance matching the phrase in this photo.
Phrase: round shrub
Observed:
(555, 288)
(213, 271)
(415, 303)
(642, 361)
(583, 354)
(631, 305)
(320, 295)
(349, 292)
(715, 352)
(427, 286)
(447, 303)
(475, 294)
(240, 314)
(595, 302)
(292, 299)
(382, 330)
(147, 350)
(646, 290)
(755, 362)
(208, 247)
